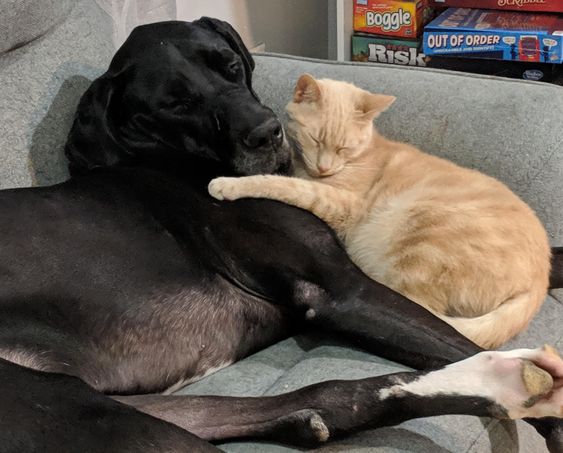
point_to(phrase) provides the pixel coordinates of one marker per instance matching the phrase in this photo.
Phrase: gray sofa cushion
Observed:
(22, 21)
(467, 119)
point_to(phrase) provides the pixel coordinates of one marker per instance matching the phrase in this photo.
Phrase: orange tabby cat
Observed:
(455, 241)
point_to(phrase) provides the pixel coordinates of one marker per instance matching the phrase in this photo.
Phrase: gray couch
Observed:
(507, 128)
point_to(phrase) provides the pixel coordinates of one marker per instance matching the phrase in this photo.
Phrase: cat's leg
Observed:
(339, 208)
(512, 384)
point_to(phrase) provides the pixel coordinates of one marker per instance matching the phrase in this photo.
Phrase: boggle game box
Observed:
(501, 35)
(400, 18)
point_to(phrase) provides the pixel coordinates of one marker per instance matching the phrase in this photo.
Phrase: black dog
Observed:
(131, 278)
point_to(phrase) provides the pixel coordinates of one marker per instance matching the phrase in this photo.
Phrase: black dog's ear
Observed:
(233, 38)
(93, 141)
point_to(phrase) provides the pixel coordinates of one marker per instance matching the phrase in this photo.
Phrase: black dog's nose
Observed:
(270, 132)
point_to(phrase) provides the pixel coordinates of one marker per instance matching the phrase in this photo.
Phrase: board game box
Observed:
(502, 35)
(539, 72)
(379, 49)
(403, 18)
(545, 6)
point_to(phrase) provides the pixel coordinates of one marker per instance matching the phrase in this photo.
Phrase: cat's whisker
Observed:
(361, 167)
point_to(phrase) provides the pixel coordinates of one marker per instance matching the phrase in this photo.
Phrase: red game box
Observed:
(551, 6)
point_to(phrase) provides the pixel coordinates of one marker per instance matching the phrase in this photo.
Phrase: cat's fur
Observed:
(454, 240)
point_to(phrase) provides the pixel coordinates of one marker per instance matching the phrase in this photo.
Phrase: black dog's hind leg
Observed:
(51, 412)
(327, 410)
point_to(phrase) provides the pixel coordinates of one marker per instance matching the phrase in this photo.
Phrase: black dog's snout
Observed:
(270, 132)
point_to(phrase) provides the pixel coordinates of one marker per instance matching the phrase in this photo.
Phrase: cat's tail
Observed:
(495, 328)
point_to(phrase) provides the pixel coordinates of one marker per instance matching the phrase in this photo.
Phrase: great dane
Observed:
(130, 279)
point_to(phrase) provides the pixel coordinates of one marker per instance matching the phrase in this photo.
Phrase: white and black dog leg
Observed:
(516, 384)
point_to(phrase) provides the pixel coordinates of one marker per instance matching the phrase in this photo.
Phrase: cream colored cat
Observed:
(455, 241)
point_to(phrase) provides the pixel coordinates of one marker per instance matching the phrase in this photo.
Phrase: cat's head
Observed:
(332, 122)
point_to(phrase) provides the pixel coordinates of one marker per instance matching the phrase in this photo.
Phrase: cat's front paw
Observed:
(223, 188)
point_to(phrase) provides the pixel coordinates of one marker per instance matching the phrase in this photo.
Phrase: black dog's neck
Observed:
(192, 168)
(189, 169)
(186, 169)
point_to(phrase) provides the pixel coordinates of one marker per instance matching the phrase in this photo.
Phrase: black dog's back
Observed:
(55, 238)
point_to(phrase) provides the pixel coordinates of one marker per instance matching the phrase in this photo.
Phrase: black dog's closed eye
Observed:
(178, 105)
(235, 67)
(230, 64)
(234, 71)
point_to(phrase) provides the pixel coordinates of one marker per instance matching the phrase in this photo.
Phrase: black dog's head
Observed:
(174, 90)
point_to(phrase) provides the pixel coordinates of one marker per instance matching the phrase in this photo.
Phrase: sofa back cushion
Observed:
(22, 21)
(509, 129)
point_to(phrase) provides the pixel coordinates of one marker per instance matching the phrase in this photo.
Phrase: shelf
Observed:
(341, 25)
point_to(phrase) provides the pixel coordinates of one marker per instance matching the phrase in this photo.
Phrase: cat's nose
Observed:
(323, 169)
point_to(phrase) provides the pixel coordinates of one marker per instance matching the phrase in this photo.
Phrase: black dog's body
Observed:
(116, 284)
(132, 278)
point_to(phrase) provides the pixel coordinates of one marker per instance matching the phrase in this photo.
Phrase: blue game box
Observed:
(501, 35)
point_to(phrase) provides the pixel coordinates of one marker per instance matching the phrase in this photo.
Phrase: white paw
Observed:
(223, 188)
(522, 382)
(525, 382)
(545, 404)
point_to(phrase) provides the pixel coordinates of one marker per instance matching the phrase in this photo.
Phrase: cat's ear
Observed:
(372, 105)
(306, 90)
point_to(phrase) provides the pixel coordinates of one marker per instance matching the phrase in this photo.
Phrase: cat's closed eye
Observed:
(314, 139)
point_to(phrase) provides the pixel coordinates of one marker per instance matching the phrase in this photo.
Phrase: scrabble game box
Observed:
(402, 18)
(501, 35)
(545, 6)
